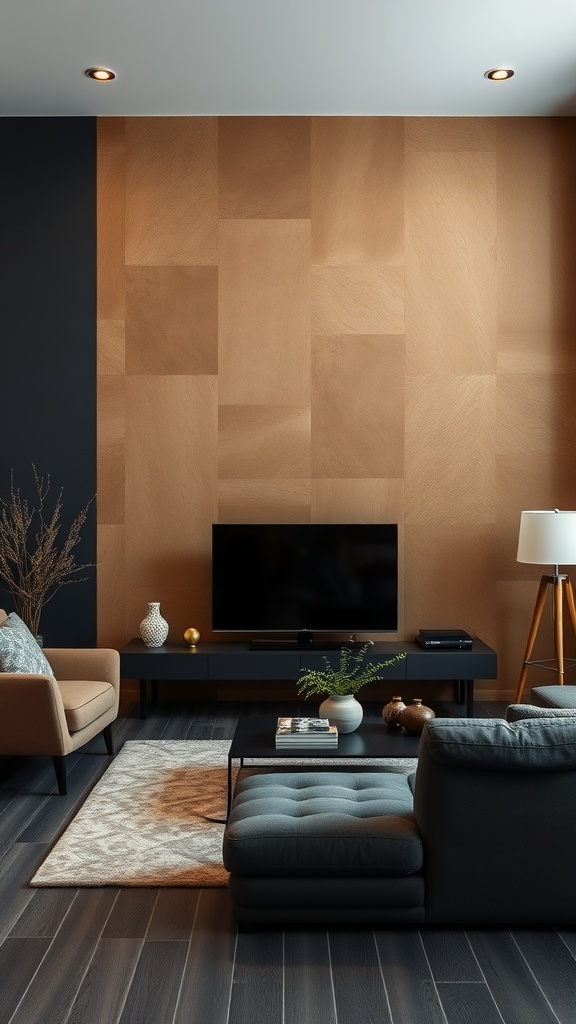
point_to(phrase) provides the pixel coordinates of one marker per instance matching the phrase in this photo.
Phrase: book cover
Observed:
(309, 731)
(306, 725)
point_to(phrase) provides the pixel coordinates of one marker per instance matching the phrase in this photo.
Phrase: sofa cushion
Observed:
(85, 701)
(323, 824)
(520, 712)
(555, 696)
(539, 744)
(19, 651)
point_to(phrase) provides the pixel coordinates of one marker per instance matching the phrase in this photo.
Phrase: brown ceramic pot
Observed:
(391, 712)
(414, 717)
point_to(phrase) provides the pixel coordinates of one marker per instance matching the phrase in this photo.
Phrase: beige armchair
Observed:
(54, 715)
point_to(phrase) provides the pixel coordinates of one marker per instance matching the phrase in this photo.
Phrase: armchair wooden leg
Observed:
(108, 738)
(60, 769)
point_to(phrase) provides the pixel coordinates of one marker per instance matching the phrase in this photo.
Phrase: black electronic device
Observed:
(304, 578)
(445, 639)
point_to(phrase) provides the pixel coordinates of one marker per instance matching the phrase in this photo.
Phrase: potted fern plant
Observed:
(340, 685)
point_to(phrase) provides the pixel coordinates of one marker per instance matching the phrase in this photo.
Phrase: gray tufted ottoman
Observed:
(309, 846)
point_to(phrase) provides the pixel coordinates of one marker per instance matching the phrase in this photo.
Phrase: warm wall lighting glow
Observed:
(499, 74)
(100, 74)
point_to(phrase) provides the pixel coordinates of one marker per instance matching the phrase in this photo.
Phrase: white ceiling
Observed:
(355, 57)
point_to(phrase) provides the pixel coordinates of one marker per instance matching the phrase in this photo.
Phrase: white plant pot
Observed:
(344, 712)
(154, 629)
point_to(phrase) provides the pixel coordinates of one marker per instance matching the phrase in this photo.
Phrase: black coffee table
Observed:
(254, 738)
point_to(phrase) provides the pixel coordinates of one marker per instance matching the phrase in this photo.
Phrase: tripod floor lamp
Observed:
(548, 537)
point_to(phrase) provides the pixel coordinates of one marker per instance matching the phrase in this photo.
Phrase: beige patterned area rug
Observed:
(146, 822)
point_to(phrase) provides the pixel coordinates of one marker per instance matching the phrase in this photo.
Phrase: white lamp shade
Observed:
(547, 537)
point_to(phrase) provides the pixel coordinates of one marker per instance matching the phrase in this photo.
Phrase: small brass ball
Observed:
(191, 637)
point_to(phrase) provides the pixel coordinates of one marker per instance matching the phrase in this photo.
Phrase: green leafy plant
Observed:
(35, 561)
(350, 676)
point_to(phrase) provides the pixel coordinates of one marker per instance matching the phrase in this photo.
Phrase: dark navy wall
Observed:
(48, 335)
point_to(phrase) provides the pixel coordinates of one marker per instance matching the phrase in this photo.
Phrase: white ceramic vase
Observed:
(346, 713)
(154, 629)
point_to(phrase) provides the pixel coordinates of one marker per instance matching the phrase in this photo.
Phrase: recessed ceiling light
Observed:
(100, 74)
(499, 74)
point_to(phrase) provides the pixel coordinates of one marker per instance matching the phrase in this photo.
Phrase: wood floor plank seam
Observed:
(180, 987)
(536, 980)
(386, 993)
(30, 1015)
(332, 980)
(136, 962)
(434, 982)
(89, 959)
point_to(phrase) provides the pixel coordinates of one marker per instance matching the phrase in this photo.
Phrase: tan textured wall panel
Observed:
(524, 481)
(264, 167)
(111, 198)
(264, 501)
(450, 573)
(311, 241)
(111, 347)
(536, 414)
(524, 226)
(111, 586)
(172, 320)
(451, 282)
(536, 352)
(357, 501)
(171, 486)
(171, 190)
(264, 312)
(450, 454)
(352, 437)
(366, 299)
(111, 432)
(263, 441)
(357, 190)
(450, 134)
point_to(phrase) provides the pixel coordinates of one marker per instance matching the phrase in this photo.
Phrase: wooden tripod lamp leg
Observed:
(558, 629)
(570, 603)
(538, 609)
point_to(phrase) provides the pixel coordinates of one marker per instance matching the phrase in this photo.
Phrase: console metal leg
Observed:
(229, 801)
(469, 684)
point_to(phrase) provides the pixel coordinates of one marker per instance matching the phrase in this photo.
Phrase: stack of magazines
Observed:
(306, 732)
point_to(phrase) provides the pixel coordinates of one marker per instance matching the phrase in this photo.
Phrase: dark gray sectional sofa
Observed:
(483, 833)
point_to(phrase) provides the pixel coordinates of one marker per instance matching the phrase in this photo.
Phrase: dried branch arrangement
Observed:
(34, 561)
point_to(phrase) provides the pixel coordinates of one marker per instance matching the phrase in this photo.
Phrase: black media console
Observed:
(236, 661)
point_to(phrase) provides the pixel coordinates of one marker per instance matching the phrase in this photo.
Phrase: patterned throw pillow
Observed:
(19, 651)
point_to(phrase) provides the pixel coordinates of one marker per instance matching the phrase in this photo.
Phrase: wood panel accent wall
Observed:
(335, 319)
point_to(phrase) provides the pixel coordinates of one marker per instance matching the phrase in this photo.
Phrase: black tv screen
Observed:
(293, 578)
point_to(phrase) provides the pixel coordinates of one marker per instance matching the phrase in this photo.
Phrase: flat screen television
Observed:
(305, 578)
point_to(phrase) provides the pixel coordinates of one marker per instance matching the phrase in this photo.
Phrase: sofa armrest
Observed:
(493, 805)
(32, 719)
(100, 664)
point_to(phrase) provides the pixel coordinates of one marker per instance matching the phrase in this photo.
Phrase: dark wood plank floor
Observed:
(172, 956)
